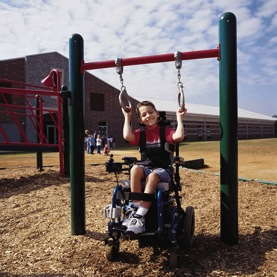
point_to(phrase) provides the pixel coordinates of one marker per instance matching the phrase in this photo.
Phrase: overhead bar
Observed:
(192, 55)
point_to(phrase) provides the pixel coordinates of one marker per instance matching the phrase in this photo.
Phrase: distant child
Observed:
(92, 145)
(98, 144)
(106, 150)
(86, 140)
(87, 144)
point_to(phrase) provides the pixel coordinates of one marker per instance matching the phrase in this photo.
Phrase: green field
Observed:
(257, 159)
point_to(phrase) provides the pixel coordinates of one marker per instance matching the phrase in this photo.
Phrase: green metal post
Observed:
(76, 133)
(228, 125)
(39, 153)
(65, 95)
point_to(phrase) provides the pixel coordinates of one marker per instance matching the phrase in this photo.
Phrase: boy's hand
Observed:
(127, 114)
(181, 113)
(127, 127)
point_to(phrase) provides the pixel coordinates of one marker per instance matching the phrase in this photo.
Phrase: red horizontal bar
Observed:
(192, 55)
(23, 92)
(29, 143)
(23, 84)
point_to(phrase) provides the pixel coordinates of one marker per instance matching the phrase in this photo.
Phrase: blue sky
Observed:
(123, 28)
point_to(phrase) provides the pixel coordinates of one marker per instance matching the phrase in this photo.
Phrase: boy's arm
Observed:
(180, 132)
(127, 129)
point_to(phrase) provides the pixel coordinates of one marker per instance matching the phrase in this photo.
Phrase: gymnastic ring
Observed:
(181, 97)
(124, 100)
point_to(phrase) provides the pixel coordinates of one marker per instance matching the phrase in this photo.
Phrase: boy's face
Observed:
(148, 116)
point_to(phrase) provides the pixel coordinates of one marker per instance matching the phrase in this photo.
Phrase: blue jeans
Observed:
(98, 149)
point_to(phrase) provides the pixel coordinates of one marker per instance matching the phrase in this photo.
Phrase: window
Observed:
(208, 131)
(51, 134)
(102, 128)
(199, 131)
(97, 102)
(4, 97)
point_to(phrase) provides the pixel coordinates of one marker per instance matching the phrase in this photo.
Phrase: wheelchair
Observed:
(165, 220)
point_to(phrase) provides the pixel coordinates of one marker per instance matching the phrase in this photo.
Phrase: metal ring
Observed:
(181, 97)
(178, 59)
(124, 100)
(119, 67)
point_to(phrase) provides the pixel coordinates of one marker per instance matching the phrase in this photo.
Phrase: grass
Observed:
(257, 159)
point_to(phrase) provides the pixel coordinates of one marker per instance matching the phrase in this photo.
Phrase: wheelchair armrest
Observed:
(129, 160)
(113, 167)
(178, 160)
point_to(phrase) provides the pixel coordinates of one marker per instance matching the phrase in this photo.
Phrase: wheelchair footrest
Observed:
(120, 228)
(112, 213)
(140, 196)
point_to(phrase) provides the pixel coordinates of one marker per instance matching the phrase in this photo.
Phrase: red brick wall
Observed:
(13, 70)
(112, 114)
(32, 69)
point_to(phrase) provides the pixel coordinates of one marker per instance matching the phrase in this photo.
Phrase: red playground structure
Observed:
(31, 117)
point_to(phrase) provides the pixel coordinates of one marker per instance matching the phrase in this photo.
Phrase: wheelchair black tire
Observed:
(172, 258)
(112, 251)
(186, 235)
(189, 227)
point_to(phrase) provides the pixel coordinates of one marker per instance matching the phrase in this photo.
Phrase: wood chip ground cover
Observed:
(36, 240)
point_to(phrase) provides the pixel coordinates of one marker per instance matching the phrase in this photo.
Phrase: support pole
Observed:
(228, 125)
(39, 128)
(76, 133)
(65, 122)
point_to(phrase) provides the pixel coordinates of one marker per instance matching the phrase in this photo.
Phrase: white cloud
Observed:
(122, 28)
(267, 9)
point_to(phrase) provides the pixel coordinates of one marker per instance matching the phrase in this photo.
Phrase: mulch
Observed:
(36, 240)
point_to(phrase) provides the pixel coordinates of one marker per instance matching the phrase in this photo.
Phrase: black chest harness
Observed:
(157, 156)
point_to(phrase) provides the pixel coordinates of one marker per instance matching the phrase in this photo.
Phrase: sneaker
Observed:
(136, 225)
(129, 213)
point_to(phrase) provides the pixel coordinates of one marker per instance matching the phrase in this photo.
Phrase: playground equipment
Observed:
(226, 53)
(124, 97)
(22, 107)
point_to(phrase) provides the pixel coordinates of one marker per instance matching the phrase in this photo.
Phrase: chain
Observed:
(179, 76)
(178, 65)
(119, 70)
(123, 96)
(121, 81)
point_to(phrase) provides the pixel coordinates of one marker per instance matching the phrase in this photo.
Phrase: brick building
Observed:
(202, 122)
(102, 111)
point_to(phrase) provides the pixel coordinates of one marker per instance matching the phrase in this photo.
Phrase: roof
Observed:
(196, 109)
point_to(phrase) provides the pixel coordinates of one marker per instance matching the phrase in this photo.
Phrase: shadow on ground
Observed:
(208, 254)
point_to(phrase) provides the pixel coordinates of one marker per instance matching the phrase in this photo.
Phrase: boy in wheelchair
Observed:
(155, 163)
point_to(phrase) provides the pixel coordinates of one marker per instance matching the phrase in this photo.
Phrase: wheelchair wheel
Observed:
(187, 228)
(172, 258)
(112, 250)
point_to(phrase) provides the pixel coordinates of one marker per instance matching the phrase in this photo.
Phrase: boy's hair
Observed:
(144, 103)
